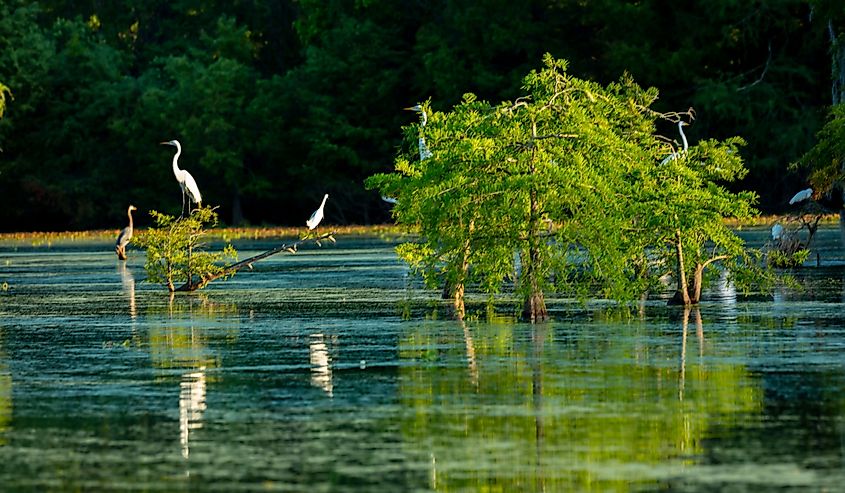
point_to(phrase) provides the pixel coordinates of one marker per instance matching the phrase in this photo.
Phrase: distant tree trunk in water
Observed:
(837, 50)
(459, 288)
(682, 291)
(534, 307)
(237, 211)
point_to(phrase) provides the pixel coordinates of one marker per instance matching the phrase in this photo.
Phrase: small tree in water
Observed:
(175, 250)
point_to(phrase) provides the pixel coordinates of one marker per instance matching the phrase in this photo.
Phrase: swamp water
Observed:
(331, 370)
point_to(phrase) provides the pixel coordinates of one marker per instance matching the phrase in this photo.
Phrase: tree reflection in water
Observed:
(564, 406)
(5, 393)
(183, 337)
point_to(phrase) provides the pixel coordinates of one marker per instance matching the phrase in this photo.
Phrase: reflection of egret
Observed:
(128, 282)
(321, 370)
(726, 293)
(191, 406)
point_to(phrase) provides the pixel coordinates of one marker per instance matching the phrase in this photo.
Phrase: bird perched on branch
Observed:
(124, 236)
(317, 216)
(801, 196)
(186, 181)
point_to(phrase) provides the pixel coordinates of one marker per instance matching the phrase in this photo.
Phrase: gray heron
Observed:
(124, 236)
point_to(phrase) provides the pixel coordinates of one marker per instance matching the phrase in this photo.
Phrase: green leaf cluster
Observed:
(175, 249)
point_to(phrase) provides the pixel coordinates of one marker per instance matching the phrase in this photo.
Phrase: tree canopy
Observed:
(277, 103)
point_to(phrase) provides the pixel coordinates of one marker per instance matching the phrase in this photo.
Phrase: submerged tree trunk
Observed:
(534, 307)
(681, 296)
(459, 288)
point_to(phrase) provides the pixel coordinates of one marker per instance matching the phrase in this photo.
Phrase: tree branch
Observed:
(231, 269)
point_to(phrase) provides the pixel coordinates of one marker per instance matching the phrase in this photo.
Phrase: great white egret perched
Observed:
(675, 155)
(424, 152)
(186, 181)
(124, 236)
(317, 216)
(801, 196)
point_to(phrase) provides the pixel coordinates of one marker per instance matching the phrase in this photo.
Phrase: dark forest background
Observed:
(277, 102)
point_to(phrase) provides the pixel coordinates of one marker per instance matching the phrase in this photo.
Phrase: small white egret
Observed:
(676, 155)
(801, 196)
(777, 232)
(389, 200)
(317, 216)
(186, 181)
(124, 236)
(424, 152)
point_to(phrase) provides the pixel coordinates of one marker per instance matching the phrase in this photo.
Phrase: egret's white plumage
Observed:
(777, 231)
(317, 216)
(186, 181)
(676, 155)
(424, 152)
(801, 196)
(124, 236)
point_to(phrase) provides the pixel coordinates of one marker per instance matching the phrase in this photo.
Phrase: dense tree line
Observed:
(279, 102)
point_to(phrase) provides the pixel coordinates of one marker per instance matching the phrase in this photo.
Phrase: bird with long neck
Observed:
(424, 152)
(124, 236)
(317, 216)
(186, 181)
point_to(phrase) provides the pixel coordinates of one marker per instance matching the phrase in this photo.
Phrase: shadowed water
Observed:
(332, 370)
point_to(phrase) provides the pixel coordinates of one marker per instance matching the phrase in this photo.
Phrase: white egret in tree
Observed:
(186, 181)
(424, 152)
(801, 196)
(675, 155)
(124, 236)
(317, 216)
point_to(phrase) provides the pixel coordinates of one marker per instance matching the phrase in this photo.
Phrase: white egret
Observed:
(777, 232)
(317, 216)
(801, 196)
(424, 152)
(186, 181)
(124, 236)
(676, 155)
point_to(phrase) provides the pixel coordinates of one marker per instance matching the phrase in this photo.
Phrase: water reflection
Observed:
(5, 393)
(183, 337)
(625, 401)
(321, 370)
(127, 282)
(191, 406)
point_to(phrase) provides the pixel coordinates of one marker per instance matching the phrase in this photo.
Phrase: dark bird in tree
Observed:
(186, 181)
(124, 236)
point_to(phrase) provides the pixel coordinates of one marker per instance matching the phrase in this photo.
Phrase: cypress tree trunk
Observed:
(534, 308)
(460, 285)
(682, 291)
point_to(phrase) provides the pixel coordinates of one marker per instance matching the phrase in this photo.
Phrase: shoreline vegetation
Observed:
(38, 238)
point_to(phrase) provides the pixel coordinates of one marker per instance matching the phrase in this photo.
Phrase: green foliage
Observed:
(175, 252)
(570, 177)
(826, 160)
(308, 93)
(5, 92)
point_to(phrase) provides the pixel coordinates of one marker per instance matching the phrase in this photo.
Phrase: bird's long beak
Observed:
(165, 143)
(410, 108)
